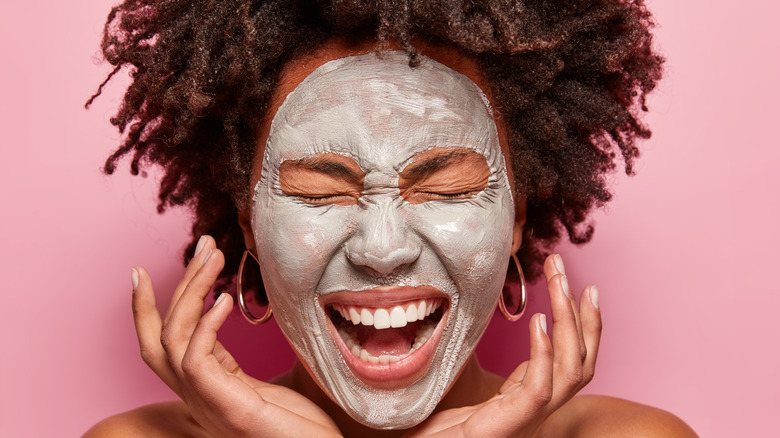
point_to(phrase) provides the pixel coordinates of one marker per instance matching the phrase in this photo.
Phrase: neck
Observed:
(474, 385)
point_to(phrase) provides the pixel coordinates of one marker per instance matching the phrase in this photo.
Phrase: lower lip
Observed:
(396, 374)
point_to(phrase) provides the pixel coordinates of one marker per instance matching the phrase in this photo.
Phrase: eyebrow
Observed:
(324, 165)
(433, 164)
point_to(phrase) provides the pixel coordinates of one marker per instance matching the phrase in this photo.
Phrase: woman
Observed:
(382, 163)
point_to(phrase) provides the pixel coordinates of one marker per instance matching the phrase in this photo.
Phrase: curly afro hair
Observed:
(568, 76)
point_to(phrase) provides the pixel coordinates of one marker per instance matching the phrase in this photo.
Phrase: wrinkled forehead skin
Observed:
(381, 113)
(378, 107)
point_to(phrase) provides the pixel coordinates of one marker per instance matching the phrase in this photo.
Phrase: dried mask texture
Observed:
(311, 249)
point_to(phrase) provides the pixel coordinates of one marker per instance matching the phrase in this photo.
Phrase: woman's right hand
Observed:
(183, 351)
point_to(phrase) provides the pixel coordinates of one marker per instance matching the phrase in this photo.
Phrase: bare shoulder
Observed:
(600, 416)
(171, 419)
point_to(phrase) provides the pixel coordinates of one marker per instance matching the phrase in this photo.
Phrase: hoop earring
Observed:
(512, 317)
(241, 303)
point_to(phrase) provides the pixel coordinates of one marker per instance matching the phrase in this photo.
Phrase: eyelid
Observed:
(326, 199)
(443, 174)
(432, 189)
(463, 194)
(322, 179)
(428, 195)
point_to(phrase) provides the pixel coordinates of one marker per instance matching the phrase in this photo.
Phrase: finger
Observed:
(199, 357)
(219, 387)
(522, 407)
(204, 245)
(148, 328)
(567, 359)
(204, 343)
(554, 265)
(517, 376)
(178, 330)
(535, 391)
(209, 386)
(591, 328)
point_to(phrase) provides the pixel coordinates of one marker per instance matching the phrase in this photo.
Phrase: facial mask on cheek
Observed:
(384, 300)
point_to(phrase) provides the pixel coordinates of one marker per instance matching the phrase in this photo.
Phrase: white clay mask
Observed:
(383, 221)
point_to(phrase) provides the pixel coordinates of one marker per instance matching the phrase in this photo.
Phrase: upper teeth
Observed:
(396, 316)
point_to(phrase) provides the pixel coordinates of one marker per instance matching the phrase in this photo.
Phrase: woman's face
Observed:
(383, 220)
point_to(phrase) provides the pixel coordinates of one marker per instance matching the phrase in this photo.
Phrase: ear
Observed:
(517, 231)
(245, 222)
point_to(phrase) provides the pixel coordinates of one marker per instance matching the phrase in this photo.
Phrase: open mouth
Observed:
(388, 344)
(381, 335)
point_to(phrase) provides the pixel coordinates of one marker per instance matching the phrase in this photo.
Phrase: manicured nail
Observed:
(559, 263)
(134, 278)
(594, 296)
(220, 298)
(207, 257)
(543, 322)
(200, 245)
(565, 285)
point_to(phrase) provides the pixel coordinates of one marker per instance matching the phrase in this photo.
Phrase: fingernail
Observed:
(559, 264)
(565, 285)
(220, 298)
(543, 322)
(134, 278)
(594, 296)
(207, 257)
(199, 246)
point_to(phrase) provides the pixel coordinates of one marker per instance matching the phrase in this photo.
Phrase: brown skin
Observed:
(583, 416)
(182, 348)
(523, 394)
(435, 174)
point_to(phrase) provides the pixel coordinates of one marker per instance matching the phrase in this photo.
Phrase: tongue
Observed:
(390, 341)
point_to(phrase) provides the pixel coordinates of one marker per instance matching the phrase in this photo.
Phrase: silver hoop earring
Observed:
(512, 317)
(241, 303)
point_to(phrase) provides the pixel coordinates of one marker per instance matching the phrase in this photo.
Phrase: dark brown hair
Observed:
(569, 77)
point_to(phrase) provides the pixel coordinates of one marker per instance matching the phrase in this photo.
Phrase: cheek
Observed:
(295, 243)
(472, 240)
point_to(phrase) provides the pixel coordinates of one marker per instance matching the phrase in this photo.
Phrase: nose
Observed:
(383, 242)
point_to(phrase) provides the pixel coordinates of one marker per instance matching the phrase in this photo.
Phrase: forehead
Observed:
(387, 80)
(370, 103)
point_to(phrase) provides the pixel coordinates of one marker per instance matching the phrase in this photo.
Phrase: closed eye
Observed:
(460, 195)
(322, 179)
(444, 174)
(341, 199)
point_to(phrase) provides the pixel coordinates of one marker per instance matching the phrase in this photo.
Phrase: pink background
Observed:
(685, 256)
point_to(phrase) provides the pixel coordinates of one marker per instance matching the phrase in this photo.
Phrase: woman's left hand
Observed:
(554, 373)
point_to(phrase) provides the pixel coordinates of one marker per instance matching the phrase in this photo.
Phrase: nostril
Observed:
(384, 263)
